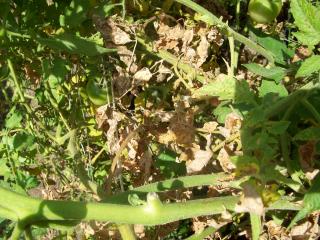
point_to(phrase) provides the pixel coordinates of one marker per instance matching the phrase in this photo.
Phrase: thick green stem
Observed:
(152, 213)
(211, 19)
(256, 226)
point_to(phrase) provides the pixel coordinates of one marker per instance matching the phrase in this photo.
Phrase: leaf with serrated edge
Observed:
(309, 66)
(307, 19)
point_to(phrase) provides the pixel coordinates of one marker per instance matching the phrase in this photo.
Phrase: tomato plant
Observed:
(209, 117)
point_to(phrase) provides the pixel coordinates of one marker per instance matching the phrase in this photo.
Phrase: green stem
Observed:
(232, 56)
(55, 105)
(15, 34)
(127, 232)
(28, 233)
(35, 210)
(167, 5)
(15, 80)
(124, 10)
(311, 109)
(284, 143)
(202, 235)
(211, 19)
(22, 97)
(17, 231)
(256, 226)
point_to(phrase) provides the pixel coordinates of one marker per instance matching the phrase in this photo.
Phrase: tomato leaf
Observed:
(74, 45)
(271, 87)
(166, 162)
(22, 141)
(224, 88)
(274, 45)
(308, 134)
(274, 73)
(14, 120)
(311, 201)
(307, 19)
(75, 14)
(309, 66)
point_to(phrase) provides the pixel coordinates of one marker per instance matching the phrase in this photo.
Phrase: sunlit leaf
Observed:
(309, 66)
(74, 44)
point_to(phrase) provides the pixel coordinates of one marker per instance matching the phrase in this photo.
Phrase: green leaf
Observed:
(168, 165)
(224, 88)
(309, 66)
(74, 45)
(14, 120)
(243, 94)
(75, 14)
(4, 170)
(275, 73)
(277, 47)
(311, 201)
(307, 19)
(22, 141)
(277, 128)
(312, 133)
(271, 87)
(72, 147)
(105, 10)
(221, 112)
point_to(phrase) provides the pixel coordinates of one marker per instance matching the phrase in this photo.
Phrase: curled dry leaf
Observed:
(112, 133)
(118, 36)
(164, 74)
(233, 121)
(142, 76)
(181, 124)
(224, 160)
(121, 82)
(302, 231)
(306, 156)
(169, 37)
(214, 36)
(276, 231)
(201, 159)
(210, 127)
(202, 51)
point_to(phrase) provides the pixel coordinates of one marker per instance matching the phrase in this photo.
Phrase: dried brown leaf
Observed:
(142, 76)
(224, 160)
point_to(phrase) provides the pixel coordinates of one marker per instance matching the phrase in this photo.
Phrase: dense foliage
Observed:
(157, 119)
